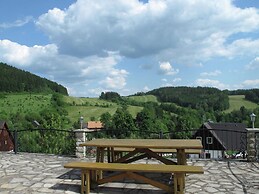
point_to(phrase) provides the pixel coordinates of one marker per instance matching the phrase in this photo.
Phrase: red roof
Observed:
(94, 125)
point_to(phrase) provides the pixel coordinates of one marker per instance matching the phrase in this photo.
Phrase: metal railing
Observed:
(217, 144)
(51, 141)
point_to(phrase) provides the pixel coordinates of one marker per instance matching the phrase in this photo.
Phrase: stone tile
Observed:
(41, 173)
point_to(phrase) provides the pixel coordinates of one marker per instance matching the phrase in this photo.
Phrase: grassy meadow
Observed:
(24, 103)
(237, 101)
(146, 98)
(93, 108)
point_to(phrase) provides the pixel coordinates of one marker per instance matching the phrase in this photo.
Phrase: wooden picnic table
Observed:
(143, 148)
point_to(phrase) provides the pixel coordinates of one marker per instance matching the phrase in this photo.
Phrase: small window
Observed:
(5, 142)
(209, 140)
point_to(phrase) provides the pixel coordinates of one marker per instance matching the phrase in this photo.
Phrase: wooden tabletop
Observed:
(146, 143)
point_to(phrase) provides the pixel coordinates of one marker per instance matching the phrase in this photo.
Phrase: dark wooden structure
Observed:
(6, 138)
(217, 138)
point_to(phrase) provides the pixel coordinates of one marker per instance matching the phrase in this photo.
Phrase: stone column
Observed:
(252, 144)
(80, 138)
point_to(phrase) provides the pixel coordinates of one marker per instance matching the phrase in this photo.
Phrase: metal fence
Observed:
(51, 141)
(217, 143)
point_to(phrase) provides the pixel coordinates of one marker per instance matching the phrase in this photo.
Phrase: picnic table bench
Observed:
(118, 152)
(88, 174)
(143, 148)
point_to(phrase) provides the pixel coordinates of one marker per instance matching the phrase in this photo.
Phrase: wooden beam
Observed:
(154, 183)
(112, 178)
(85, 182)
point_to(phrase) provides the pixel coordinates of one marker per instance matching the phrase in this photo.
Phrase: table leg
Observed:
(181, 157)
(109, 155)
(97, 154)
(85, 182)
(181, 160)
(101, 159)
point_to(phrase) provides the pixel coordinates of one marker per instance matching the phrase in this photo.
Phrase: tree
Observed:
(123, 123)
(106, 119)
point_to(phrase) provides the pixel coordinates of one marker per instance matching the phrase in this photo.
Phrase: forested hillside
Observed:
(194, 97)
(16, 80)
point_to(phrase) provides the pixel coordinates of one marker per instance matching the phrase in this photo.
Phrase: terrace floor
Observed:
(41, 173)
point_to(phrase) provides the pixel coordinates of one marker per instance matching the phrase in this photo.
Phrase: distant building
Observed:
(6, 138)
(222, 139)
(94, 125)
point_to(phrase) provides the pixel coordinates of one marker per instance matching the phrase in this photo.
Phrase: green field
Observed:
(76, 107)
(24, 103)
(146, 98)
(93, 107)
(237, 101)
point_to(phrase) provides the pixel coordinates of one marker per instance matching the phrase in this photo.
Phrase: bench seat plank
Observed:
(136, 167)
(130, 171)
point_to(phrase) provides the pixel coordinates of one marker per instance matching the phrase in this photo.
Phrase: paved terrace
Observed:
(40, 173)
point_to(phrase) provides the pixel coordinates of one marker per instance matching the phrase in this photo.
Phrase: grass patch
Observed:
(24, 103)
(93, 107)
(146, 98)
(237, 101)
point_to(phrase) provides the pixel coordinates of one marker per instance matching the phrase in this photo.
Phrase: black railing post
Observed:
(15, 141)
(161, 134)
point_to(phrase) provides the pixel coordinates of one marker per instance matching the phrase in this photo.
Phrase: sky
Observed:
(94, 46)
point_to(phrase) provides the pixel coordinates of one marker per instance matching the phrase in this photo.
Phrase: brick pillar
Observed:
(252, 144)
(80, 138)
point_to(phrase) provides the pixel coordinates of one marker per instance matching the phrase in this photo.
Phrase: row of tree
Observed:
(195, 97)
(16, 80)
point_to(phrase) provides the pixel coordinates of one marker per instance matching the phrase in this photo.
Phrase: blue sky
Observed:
(90, 46)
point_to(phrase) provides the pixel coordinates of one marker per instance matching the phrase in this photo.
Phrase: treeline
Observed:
(16, 80)
(195, 97)
(167, 119)
(180, 111)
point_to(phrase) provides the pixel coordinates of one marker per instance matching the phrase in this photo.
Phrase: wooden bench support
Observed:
(126, 155)
(131, 171)
(85, 181)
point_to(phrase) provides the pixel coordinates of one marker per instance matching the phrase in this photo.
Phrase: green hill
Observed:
(16, 80)
(144, 98)
(16, 106)
(93, 108)
(237, 101)
(23, 103)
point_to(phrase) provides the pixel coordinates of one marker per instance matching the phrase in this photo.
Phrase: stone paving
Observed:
(39, 173)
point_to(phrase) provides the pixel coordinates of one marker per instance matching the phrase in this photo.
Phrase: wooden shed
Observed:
(6, 138)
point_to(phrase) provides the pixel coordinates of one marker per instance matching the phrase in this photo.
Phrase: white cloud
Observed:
(251, 83)
(146, 89)
(211, 83)
(115, 80)
(213, 73)
(254, 64)
(22, 55)
(77, 74)
(17, 23)
(90, 38)
(188, 31)
(166, 69)
(177, 80)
